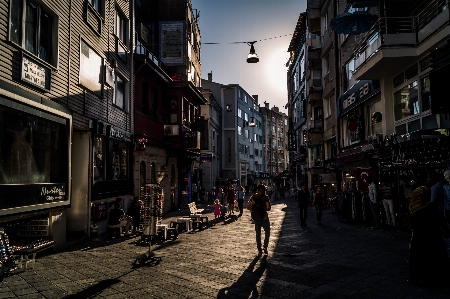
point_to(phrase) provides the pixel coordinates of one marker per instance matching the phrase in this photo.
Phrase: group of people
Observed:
(303, 202)
(227, 202)
(429, 261)
(118, 218)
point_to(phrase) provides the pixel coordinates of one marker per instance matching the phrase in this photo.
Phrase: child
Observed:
(217, 208)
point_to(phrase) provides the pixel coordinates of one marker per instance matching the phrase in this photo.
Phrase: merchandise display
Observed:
(151, 212)
(7, 264)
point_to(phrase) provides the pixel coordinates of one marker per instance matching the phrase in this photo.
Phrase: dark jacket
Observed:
(260, 207)
(302, 198)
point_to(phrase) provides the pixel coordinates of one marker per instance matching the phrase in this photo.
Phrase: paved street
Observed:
(334, 260)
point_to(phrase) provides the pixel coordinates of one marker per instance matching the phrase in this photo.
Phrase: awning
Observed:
(352, 154)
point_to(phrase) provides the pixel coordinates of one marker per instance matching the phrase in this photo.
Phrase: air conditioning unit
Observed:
(171, 130)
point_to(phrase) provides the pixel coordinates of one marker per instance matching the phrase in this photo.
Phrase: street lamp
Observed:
(252, 56)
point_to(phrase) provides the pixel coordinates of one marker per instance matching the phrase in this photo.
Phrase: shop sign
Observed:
(52, 192)
(115, 134)
(206, 157)
(358, 94)
(292, 142)
(35, 73)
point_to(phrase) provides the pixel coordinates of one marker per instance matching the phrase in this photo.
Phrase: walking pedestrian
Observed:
(221, 196)
(388, 204)
(135, 213)
(259, 205)
(373, 200)
(231, 197)
(318, 203)
(429, 261)
(302, 203)
(217, 209)
(240, 194)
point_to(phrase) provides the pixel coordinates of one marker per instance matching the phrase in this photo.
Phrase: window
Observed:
(246, 116)
(34, 28)
(121, 31)
(245, 98)
(406, 101)
(99, 159)
(90, 68)
(154, 102)
(246, 133)
(145, 94)
(256, 137)
(239, 130)
(95, 4)
(317, 77)
(327, 107)
(119, 160)
(239, 112)
(425, 93)
(120, 99)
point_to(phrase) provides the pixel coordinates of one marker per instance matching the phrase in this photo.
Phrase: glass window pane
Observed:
(425, 93)
(32, 149)
(99, 159)
(400, 130)
(119, 157)
(429, 122)
(120, 92)
(16, 22)
(30, 27)
(414, 126)
(406, 101)
(45, 43)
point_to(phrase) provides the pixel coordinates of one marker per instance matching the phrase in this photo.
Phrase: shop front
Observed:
(35, 185)
(412, 160)
(112, 151)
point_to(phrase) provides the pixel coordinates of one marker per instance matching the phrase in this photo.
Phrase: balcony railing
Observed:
(408, 31)
(141, 49)
(316, 125)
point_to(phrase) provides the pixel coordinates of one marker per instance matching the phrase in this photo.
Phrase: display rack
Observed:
(151, 212)
(7, 264)
(151, 217)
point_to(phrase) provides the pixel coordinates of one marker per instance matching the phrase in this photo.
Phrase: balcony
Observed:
(316, 125)
(396, 42)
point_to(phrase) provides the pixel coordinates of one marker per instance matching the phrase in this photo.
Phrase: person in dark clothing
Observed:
(117, 218)
(302, 203)
(318, 203)
(429, 261)
(240, 194)
(259, 205)
(135, 213)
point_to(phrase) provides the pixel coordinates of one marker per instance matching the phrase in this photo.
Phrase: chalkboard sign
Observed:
(99, 211)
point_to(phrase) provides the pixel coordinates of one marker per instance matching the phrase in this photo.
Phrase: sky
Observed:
(269, 22)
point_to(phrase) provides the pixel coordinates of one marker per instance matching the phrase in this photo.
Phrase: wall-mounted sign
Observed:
(205, 157)
(99, 211)
(358, 94)
(115, 133)
(292, 142)
(35, 73)
(172, 42)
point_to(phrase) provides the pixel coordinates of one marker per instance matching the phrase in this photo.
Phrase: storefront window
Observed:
(34, 164)
(32, 149)
(407, 101)
(99, 159)
(119, 156)
(425, 93)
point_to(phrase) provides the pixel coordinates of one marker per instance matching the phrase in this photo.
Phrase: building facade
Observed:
(66, 101)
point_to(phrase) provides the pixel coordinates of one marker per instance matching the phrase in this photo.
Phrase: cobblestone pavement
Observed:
(334, 260)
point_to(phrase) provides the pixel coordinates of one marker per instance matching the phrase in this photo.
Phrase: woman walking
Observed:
(318, 203)
(221, 196)
(231, 197)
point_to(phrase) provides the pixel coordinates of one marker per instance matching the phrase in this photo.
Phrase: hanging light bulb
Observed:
(252, 56)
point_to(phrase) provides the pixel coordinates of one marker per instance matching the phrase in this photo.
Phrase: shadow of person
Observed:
(245, 285)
